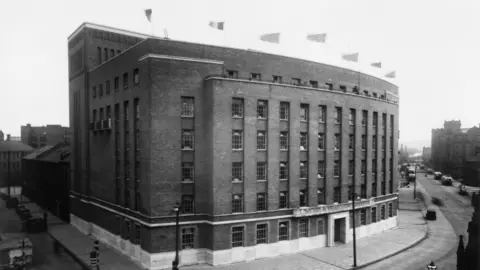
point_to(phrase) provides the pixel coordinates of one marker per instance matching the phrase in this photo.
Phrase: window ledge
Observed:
(261, 180)
(237, 149)
(237, 117)
(186, 116)
(285, 150)
(261, 150)
(187, 149)
(283, 179)
(261, 118)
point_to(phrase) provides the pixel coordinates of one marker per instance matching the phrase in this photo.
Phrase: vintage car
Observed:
(16, 250)
(447, 180)
(437, 175)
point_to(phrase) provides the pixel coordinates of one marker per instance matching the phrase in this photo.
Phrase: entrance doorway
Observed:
(336, 230)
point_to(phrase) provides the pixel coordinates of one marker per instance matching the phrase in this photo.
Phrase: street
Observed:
(44, 257)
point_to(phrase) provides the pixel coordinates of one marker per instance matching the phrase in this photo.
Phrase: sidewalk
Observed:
(411, 230)
(79, 245)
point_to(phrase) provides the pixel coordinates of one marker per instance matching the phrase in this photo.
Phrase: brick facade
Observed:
(106, 169)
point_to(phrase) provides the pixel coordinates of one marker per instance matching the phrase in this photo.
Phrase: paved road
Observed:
(44, 258)
(457, 209)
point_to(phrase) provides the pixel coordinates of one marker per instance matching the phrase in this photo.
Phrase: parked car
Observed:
(447, 180)
(429, 171)
(437, 175)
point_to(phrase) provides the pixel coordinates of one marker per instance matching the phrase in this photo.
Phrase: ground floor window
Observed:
(303, 228)
(374, 214)
(188, 238)
(237, 236)
(363, 217)
(382, 212)
(283, 233)
(262, 233)
(390, 210)
(320, 226)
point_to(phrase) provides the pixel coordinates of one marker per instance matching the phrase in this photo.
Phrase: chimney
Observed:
(8, 137)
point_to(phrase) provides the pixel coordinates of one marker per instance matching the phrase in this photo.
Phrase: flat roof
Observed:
(106, 28)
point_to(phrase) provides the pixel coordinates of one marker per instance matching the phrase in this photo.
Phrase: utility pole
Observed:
(8, 172)
(415, 184)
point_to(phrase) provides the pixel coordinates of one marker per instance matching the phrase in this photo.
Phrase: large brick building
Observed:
(41, 136)
(262, 151)
(11, 153)
(452, 146)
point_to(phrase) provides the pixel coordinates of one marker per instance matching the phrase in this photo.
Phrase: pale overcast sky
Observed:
(433, 45)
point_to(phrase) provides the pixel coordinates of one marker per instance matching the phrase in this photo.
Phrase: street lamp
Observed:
(431, 266)
(415, 184)
(177, 208)
(354, 234)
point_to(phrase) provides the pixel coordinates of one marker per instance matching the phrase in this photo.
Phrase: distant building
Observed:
(11, 153)
(46, 177)
(452, 146)
(2, 136)
(426, 154)
(42, 136)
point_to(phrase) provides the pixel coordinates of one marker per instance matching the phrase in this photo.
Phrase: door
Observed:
(336, 230)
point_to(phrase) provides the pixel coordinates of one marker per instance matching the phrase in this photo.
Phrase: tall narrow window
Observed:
(283, 201)
(374, 214)
(237, 203)
(99, 55)
(321, 169)
(321, 141)
(320, 196)
(351, 141)
(94, 91)
(351, 167)
(336, 168)
(188, 107)
(336, 194)
(188, 238)
(116, 83)
(364, 167)
(337, 142)
(187, 139)
(112, 53)
(262, 109)
(375, 120)
(351, 117)
(261, 140)
(321, 226)
(261, 171)
(303, 228)
(187, 172)
(107, 87)
(237, 140)
(338, 115)
(374, 188)
(237, 107)
(105, 54)
(283, 140)
(284, 110)
(303, 112)
(303, 169)
(382, 211)
(384, 120)
(303, 141)
(283, 174)
(350, 192)
(125, 81)
(262, 233)
(237, 171)
(390, 210)
(261, 202)
(238, 236)
(136, 76)
(364, 118)
(374, 143)
(303, 198)
(283, 231)
(322, 113)
(187, 204)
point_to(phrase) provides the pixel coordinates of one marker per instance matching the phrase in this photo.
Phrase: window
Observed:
(237, 236)
(303, 169)
(94, 116)
(329, 86)
(350, 192)
(363, 191)
(105, 54)
(283, 200)
(336, 168)
(284, 110)
(261, 202)
(382, 212)
(364, 167)
(107, 87)
(187, 107)
(277, 79)
(364, 118)
(374, 214)
(116, 84)
(94, 91)
(351, 141)
(364, 142)
(384, 188)
(337, 142)
(365, 92)
(320, 226)
(303, 198)
(374, 95)
(322, 113)
(351, 167)
(283, 233)
(303, 112)
(384, 120)
(283, 140)
(375, 119)
(256, 76)
(99, 55)
(237, 108)
(112, 53)
(321, 141)
(355, 90)
(187, 139)
(374, 143)
(262, 109)
(390, 210)
(321, 169)
(314, 84)
(303, 141)
(261, 140)
(336, 195)
(303, 228)
(383, 143)
(296, 81)
(261, 171)
(136, 76)
(187, 172)
(343, 88)
(237, 171)
(392, 122)
(188, 238)
(237, 140)
(320, 196)
(100, 118)
(374, 189)
(338, 115)
(351, 117)
(187, 204)
(237, 203)
(363, 217)
(350, 214)
(232, 74)
(374, 166)
(262, 234)
(283, 170)
(125, 81)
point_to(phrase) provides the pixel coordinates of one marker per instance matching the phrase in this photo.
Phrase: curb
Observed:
(77, 258)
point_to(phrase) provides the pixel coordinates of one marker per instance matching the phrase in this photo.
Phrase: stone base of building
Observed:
(164, 260)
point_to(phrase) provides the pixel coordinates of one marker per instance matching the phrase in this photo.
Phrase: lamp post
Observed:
(415, 184)
(176, 209)
(354, 234)
(431, 266)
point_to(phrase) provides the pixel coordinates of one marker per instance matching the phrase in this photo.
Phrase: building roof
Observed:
(38, 152)
(57, 153)
(14, 146)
